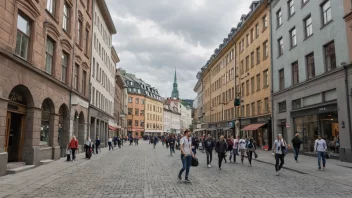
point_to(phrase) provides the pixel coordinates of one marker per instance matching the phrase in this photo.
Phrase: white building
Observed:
(186, 116)
(102, 74)
(172, 119)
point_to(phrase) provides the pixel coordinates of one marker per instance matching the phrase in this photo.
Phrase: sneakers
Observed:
(173, 154)
(235, 162)
(179, 177)
(296, 161)
(187, 180)
(277, 173)
(220, 168)
(209, 165)
(250, 165)
(323, 168)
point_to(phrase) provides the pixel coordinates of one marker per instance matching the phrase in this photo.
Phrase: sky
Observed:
(155, 37)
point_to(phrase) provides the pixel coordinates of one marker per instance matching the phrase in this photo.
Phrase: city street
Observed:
(141, 171)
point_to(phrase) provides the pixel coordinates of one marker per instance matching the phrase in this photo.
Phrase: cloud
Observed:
(155, 37)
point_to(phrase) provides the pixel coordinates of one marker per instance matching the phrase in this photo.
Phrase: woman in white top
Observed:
(242, 147)
(110, 144)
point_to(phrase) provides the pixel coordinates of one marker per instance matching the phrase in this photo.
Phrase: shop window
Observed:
(296, 104)
(313, 99)
(330, 95)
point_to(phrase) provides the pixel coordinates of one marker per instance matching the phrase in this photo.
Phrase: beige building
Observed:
(154, 115)
(253, 70)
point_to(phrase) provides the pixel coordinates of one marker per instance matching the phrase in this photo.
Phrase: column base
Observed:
(56, 152)
(31, 155)
(3, 163)
(345, 155)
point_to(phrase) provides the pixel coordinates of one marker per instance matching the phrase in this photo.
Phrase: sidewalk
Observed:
(336, 171)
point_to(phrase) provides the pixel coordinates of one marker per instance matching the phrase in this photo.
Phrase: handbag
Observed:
(68, 152)
(195, 162)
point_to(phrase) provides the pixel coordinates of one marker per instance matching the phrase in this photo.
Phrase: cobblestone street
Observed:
(141, 171)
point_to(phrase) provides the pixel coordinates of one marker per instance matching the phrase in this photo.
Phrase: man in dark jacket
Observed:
(221, 148)
(296, 143)
(209, 145)
(172, 142)
(97, 144)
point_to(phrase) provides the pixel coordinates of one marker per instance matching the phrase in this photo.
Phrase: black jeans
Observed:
(250, 154)
(73, 150)
(172, 150)
(221, 156)
(110, 146)
(279, 157)
(96, 149)
(209, 153)
(86, 148)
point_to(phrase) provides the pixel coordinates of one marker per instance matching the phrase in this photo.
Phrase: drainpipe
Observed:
(348, 101)
(272, 79)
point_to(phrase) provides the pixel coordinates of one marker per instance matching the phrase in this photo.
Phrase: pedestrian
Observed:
(279, 151)
(230, 147)
(242, 147)
(97, 145)
(186, 155)
(115, 141)
(251, 147)
(73, 146)
(209, 145)
(296, 143)
(119, 140)
(320, 149)
(110, 144)
(172, 141)
(155, 141)
(131, 140)
(194, 150)
(235, 149)
(87, 147)
(221, 148)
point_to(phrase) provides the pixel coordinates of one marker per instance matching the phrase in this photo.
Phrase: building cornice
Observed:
(106, 15)
(114, 55)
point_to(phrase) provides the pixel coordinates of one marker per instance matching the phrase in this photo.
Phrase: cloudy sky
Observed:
(155, 37)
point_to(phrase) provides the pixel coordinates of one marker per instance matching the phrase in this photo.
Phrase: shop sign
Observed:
(230, 124)
(323, 109)
(15, 97)
(78, 101)
(245, 122)
(287, 125)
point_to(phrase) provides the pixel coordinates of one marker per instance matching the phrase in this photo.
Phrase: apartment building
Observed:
(154, 115)
(309, 55)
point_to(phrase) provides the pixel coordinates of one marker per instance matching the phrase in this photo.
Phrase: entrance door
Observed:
(14, 136)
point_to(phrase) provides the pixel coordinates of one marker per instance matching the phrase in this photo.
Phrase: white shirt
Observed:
(87, 142)
(110, 139)
(186, 145)
(235, 143)
(242, 144)
(320, 145)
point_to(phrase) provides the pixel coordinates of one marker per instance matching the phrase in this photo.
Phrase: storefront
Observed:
(308, 123)
(260, 129)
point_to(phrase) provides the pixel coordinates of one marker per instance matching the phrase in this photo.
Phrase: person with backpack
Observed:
(221, 148)
(209, 145)
(242, 147)
(251, 147)
(296, 143)
(279, 151)
(230, 147)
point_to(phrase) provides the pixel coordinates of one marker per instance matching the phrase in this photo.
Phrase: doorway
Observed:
(14, 133)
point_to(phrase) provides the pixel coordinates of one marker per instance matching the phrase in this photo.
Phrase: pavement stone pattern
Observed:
(141, 171)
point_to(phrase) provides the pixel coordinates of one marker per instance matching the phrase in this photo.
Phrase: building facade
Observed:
(154, 115)
(186, 116)
(171, 120)
(119, 114)
(253, 115)
(101, 112)
(309, 51)
(45, 61)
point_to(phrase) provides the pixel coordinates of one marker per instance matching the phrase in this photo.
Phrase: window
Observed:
(330, 57)
(247, 110)
(266, 105)
(241, 67)
(247, 39)
(295, 74)
(257, 30)
(79, 31)
(23, 36)
(64, 63)
(136, 111)
(326, 8)
(247, 63)
(49, 55)
(279, 18)
(252, 84)
(66, 18)
(84, 82)
(242, 111)
(252, 59)
(282, 79)
(282, 106)
(291, 7)
(142, 113)
(86, 41)
(129, 111)
(265, 22)
(309, 27)
(265, 50)
(258, 82)
(143, 101)
(280, 43)
(130, 99)
(50, 6)
(266, 78)
(296, 104)
(253, 108)
(75, 77)
(242, 89)
(252, 35)
(293, 37)
(136, 123)
(258, 55)
(247, 87)
(259, 108)
(137, 100)
(310, 66)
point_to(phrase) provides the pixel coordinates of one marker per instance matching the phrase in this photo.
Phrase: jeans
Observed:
(221, 156)
(279, 157)
(296, 151)
(86, 148)
(321, 154)
(234, 153)
(154, 145)
(243, 151)
(250, 154)
(96, 149)
(172, 150)
(194, 151)
(186, 164)
(110, 146)
(209, 153)
(231, 153)
(73, 151)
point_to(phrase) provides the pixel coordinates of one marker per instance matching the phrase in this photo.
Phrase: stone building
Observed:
(119, 112)
(45, 60)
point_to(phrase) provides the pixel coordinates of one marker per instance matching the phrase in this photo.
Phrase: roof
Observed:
(106, 15)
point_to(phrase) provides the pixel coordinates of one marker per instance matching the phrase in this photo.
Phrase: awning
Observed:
(199, 130)
(112, 128)
(227, 128)
(253, 127)
(211, 129)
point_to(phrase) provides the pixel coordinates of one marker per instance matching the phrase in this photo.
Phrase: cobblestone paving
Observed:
(141, 171)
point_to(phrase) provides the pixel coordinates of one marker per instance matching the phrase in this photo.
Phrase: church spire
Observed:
(174, 93)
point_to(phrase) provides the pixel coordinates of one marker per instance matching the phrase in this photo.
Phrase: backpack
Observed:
(230, 144)
(209, 143)
(250, 145)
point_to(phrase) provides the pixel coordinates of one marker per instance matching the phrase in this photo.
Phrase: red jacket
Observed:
(73, 144)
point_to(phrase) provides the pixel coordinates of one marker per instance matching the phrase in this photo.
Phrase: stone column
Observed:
(53, 141)
(3, 154)
(31, 150)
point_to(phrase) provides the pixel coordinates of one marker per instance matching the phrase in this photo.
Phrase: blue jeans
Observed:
(172, 150)
(321, 154)
(186, 164)
(296, 151)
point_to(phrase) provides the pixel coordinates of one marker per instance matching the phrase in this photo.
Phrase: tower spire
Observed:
(174, 93)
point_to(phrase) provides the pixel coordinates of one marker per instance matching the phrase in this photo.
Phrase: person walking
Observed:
(87, 147)
(97, 145)
(230, 147)
(251, 147)
(242, 147)
(235, 149)
(119, 141)
(73, 146)
(296, 143)
(115, 141)
(320, 149)
(186, 155)
(209, 145)
(110, 144)
(279, 151)
(221, 148)
(171, 142)
(155, 141)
